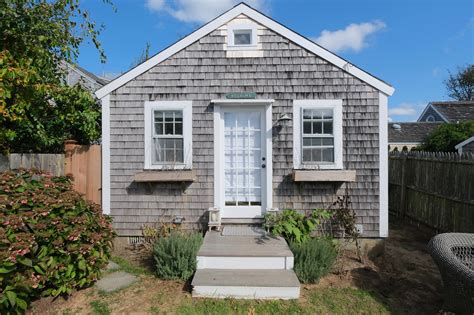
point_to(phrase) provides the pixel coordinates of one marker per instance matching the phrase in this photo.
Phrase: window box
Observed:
(324, 176)
(165, 176)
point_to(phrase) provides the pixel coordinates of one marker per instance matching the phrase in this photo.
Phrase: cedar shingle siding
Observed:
(202, 72)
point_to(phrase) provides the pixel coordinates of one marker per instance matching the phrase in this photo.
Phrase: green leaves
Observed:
(294, 226)
(56, 244)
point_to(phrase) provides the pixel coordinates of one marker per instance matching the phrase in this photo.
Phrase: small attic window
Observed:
(242, 37)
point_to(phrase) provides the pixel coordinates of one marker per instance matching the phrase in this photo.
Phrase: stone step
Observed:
(246, 284)
(244, 252)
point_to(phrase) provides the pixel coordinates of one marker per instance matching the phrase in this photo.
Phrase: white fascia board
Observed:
(243, 101)
(106, 154)
(460, 145)
(383, 164)
(265, 21)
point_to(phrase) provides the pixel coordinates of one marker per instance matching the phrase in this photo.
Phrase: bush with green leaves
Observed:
(175, 255)
(294, 226)
(447, 136)
(52, 241)
(313, 258)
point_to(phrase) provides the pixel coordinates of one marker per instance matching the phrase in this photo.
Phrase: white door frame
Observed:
(267, 188)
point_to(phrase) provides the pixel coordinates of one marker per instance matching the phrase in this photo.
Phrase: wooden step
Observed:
(246, 284)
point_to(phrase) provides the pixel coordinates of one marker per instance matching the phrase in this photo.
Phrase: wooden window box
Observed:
(165, 176)
(324, 175)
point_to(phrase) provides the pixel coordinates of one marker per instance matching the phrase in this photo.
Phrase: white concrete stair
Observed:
(246, 267)
(246, 284)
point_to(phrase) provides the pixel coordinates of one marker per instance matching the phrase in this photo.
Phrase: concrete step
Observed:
(244, 252)
(246, 284)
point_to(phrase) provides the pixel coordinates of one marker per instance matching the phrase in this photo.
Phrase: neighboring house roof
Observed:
(92, 76)
(78, 75)
(464, 143)
(264, 20)
(410, 132)
(452, 111)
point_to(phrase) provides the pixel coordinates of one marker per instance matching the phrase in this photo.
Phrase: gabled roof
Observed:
(465, 142)
(264, 20)
(410, 132)
(452, 111)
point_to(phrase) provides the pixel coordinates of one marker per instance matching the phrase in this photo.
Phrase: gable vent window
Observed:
(242, 37)
(168, 135)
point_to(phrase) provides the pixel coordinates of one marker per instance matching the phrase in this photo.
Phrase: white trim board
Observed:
(106, 154)
(383, 165)
(259, 18)
(459, 146)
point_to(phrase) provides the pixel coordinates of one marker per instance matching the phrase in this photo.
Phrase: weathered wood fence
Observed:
(83, 162)
(436, 189)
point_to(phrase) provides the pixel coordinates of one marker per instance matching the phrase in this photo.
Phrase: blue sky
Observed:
(409, 43)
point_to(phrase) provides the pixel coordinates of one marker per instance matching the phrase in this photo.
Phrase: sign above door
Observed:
(241, 95)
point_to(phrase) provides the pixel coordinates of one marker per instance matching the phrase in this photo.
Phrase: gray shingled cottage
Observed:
(246, 116)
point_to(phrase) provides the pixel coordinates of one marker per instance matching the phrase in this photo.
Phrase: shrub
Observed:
(175, 255)
(294, 226)
(313, 259)
(51, 240)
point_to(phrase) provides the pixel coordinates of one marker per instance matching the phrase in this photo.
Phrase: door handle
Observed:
(263, 166)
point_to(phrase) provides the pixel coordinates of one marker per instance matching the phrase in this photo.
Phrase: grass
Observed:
(321, 301)
(126, 266)
(100, 308)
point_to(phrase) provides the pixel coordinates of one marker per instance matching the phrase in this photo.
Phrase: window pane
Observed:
(307, 142)
(306, 155)
(328, 141)
(169, 129)
(169, 116)
(328, 155)
(307, 127)
(158, 115)
(317, 127)
(316, 155)
(306, 114)
(327, 113)
(328, 127)
(317, 114)
(158, 128)
(178, 128)
(243, 37)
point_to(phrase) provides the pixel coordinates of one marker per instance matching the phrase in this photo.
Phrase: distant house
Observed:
(78, 75)
(467, 146)
(407, 135)
(449, 112)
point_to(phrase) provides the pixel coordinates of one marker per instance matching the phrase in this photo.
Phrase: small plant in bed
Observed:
(51, 240)
(313, 259)
(175, 255)
(294, 226)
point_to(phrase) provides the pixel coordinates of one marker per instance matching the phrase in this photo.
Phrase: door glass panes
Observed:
(242, 158)
(318, 137)
(168, 137)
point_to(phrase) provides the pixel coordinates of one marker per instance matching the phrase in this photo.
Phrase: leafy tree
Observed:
(143, 57)
(447, 136)
(460, 86)
(37, 110)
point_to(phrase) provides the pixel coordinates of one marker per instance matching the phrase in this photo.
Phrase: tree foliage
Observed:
(447, 136)
(460, 86)
(37, 110)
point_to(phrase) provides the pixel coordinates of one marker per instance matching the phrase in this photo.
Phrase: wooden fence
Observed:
(436, 189)
(83, 162)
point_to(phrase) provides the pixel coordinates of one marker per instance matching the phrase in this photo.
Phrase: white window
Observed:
(242, 36)
(430, 118)
(168, 135)
(317, 134)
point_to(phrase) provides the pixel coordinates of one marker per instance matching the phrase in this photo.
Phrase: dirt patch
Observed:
(404, 279)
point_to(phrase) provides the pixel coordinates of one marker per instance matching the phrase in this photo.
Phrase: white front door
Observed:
(244, 162)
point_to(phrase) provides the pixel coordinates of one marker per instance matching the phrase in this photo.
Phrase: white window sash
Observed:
(186, 108)
(336, 107)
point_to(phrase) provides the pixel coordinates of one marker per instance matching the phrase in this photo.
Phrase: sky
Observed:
(411, 44)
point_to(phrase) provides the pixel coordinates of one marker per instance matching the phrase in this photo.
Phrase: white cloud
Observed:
(198, 10)
(404, 109)
(353, 37)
